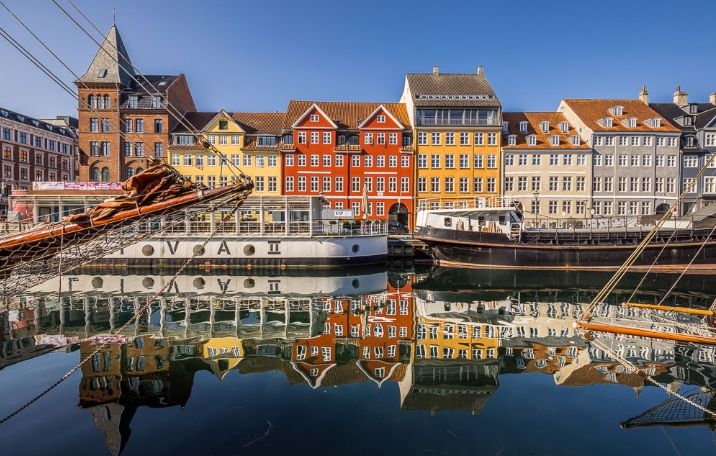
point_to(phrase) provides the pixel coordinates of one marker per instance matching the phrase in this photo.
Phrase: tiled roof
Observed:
(429, 89)
(105, 67)
(260, 123)
(144, 100)
(705, 113)
(590, 111)
(345, 114)
(36, 123)
(197, 120)
(534, 120)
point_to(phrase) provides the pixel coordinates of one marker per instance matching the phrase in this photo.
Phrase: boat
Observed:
(492, 234)
(153, 201)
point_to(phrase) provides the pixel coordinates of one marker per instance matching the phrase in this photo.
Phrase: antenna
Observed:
(114, 12)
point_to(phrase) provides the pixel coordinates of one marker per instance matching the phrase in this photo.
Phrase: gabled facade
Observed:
(358, 156)
(697, 122)
(547, 168)
(113, 99)
(248, 141)
(457, 122)
(635, 155)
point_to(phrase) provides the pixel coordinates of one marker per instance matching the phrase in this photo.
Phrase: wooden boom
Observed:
(616, 329)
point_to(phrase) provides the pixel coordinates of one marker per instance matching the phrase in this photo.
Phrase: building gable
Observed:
(389, 122)
(314, 117)
(213, 126)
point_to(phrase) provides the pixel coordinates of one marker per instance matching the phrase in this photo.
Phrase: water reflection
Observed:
(444, 337)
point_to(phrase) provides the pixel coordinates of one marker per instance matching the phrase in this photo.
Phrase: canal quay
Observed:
(445, 360)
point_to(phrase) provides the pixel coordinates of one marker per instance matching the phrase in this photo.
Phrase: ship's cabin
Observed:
(485, 220)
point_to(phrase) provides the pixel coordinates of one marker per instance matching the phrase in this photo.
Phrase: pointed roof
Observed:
(105, 67)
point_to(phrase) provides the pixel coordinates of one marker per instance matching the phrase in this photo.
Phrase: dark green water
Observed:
(348, 362)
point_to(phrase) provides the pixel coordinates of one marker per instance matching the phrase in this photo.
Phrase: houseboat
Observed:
(272, 232)
(492, 234)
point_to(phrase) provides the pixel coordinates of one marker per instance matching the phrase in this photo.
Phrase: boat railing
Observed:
(277, 229)
(473, 202)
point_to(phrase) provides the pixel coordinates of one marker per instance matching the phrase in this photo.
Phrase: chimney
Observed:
(681, 98)
(712, 98)
(436, 69)
(481, 70)
(644, 95)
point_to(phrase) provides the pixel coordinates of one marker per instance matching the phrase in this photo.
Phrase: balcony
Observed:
(407, 149)
(351, 148)
(287, 147)
(432, 122)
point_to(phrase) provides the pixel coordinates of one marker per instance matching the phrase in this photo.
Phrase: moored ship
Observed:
(492, 234)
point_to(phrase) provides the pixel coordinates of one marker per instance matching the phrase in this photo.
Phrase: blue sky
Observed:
(257, 55)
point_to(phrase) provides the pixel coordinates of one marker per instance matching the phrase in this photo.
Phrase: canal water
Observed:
(435, 361)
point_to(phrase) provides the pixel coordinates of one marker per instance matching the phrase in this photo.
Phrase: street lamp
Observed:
(535, 208)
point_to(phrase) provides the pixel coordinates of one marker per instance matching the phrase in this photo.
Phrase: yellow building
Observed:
(223, 354)
(248, 140)
(452, 339)
(457, 121)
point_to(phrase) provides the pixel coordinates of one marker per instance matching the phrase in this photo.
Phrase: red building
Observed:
(359, 156)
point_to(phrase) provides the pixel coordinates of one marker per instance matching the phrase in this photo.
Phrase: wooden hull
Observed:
(497, 252)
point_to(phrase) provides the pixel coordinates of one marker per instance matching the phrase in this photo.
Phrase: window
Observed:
(567, 159)
(491, 185)
(553, 159)
(105, 148)
(139, 149)
(691, 161)
(449, 139)
(380, 184)
(393, 138)
(567, 183)
(479, 139)
(449, 161)
(422, 185)
(710, 184)
(368, 138)
(302, 137)
(508, 184)
(646, 160)
(133, 101)
(380, 118)
(536, 183)
(580, 183)
(422, 138)
(381, 138)
(327, 137)
(464, 139)
(368, 161)
(139, 125)
(339, 184)
(477, 185)
(477, 161)
(326, 161)
(94, 126)
(634, 160)
(553, 183)
(314, 137)
(380, 161)
(449, 184)
(435, 184)
(404, 184)
(314, 160)
(689, 185)
(326, 184)
(158, 149)
(633, 184)
(158, 125)
(368, 184)
(435, 161)
(491, 161)
(554, 140)
(552, 207)
(223, 139)
(491, 139)
(646, 184)
(435, 139)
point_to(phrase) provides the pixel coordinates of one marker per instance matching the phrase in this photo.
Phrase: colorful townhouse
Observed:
(547, 168)
(248, 141)
(358, 156)
(697, 122)
(635, 155)
(457, 121)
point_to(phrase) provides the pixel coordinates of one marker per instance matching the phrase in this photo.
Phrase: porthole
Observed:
(249, 283)
(355, 283)
(147, 250)
(199, 283)
(198, 250)
(97, 282)
(356, 248)
(147, 282)
(249, 250)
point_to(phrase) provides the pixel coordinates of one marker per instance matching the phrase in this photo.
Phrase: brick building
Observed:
(33, 151)
(112, 99)
(359, 156)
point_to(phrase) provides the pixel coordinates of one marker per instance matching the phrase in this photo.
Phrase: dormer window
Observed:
(133, 101)
(505, 126)
(314, 118)
(544, 126)
(693, 109)
(655, 122)
(380, 118)
(688, 120)
(512, 140)
(223, 125)
(631, 122)
(156, 101)
(607, 122)
(532, 140)
(575, 140)
(554, 140)
(564, 126)
(617, 111)
(4, 113)
(523, 126)
(20, 118)
(36, 123)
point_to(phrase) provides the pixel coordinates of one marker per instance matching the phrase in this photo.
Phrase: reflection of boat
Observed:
(497, 238)
(675, 412)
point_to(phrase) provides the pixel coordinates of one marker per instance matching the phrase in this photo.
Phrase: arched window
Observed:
(105, 174)
(107, 104)
(92, 102)
(130, 172)
(138, 170)
(100, 102)
(94, 174)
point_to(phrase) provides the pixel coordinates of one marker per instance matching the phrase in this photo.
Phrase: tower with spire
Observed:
(123, 114)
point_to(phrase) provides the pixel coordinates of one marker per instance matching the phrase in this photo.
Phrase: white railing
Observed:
(467, 202)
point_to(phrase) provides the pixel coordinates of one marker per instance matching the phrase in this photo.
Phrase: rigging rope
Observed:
(134, 317)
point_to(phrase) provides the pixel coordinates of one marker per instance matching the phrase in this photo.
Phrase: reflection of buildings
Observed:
(444, 351)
